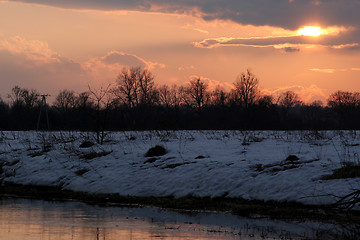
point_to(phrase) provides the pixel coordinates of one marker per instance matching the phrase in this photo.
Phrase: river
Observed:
(28, 219)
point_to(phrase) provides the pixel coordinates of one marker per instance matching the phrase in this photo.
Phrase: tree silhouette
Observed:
(65, 100)
(135, 86)
(289, 99)
(246, 88)
(135, 103)
(84, 101)
(103, 101)
(342, 99)
(16, 97)
(22, 97)
(197, 94)
(345, 104)
(219, 97)
(147, 92)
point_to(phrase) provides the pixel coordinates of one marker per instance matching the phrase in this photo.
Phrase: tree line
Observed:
(135, 102)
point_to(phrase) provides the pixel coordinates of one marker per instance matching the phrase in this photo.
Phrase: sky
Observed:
(311, 47)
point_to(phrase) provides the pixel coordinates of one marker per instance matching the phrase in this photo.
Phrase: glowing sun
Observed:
(310, 31)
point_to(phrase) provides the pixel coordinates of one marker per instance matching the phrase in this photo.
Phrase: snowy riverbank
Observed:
(254, 165)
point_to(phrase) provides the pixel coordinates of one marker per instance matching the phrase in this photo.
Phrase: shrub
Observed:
(86, 144)
(348, 171)
(156, 151)
(131, 138)
(292, 158)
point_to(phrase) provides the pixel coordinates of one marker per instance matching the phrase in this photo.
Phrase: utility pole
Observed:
(43, 104)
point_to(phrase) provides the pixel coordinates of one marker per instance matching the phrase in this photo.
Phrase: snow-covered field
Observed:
(244, 164)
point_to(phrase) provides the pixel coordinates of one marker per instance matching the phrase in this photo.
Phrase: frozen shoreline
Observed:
(250, 165)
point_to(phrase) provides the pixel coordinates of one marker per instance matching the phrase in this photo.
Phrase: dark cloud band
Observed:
(289, 14)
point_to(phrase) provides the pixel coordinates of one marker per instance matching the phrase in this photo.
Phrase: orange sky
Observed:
(67, 45)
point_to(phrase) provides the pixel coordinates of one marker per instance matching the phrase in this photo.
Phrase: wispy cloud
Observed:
(323, 70)
(286, 43)
(201, 30)
(183, 68)
(328, 70)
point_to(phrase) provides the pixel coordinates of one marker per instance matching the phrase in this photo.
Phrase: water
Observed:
(42, 220)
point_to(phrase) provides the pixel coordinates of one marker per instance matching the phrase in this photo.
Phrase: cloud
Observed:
(183, 68)
(291, 49)
(289, 14)
(32, 64)
(323, 70)
(307, 94)
(36, 53)
(340, 18)
(212, 83)
(201, 30)
(123, 59)
(118, 59)
(107, 67)
(292, 43)
(328, 70)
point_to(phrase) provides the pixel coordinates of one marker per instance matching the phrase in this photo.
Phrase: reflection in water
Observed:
(30, 219)
(34, 219)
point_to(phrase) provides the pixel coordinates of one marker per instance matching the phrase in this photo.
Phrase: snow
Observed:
(236, 164)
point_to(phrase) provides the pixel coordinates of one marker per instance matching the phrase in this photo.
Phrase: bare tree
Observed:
(135, 86)
(265, 101)
(102, 99)
(246, 87)
(83, 100)
(316, 103)
(169, 96)
(342, 99)
(147, 92)
(22, 97)
(15, 96)
(289, 99)
(126, 89)
(344, 105)
(65, 100)
(165, 96)
(197, 94)
(175, 96)
(31, 98)
(219, 97)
